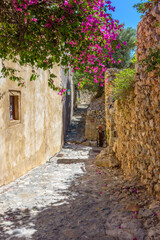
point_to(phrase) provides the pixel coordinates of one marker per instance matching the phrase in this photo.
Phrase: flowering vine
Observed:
(80, 34)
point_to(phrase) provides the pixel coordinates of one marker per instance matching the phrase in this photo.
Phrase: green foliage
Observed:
(127, 35)
(145, 5)
(87, 84)
(124, 54)
(12, 74)
(69, 33)
(133, 62)
(76, 78)
(124, 83)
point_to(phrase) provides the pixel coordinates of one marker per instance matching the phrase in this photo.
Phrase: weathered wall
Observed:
(133, 126)
(95, 117)
(69, 101)
(84, 97)
(38, 135)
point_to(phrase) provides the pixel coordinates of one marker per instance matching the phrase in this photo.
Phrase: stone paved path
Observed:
(69, 198)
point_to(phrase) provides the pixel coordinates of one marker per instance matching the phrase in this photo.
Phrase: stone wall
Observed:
(95, 118)
(133, 126)
(84, 97)
(36, 134)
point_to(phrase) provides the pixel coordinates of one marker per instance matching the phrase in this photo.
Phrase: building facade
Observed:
(31, 123)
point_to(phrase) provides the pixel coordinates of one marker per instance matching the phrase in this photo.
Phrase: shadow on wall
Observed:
(68, 103)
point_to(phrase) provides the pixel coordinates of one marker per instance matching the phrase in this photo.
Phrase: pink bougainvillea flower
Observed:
(124, 43)
(119, 227)
(135, 191)
(65, 3)
(118, 46)
(34, 19)
(93, 32)
(100, 193)
(155, 214)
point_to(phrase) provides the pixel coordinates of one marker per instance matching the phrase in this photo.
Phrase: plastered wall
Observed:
(37, 135)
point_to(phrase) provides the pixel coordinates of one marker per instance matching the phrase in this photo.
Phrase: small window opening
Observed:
(14, 107)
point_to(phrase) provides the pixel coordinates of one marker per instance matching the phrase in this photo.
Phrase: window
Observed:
(14, 105)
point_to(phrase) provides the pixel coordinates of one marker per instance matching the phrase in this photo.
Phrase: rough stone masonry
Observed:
(95, 118)
(133, 127)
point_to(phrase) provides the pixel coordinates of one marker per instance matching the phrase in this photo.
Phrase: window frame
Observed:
(17, 112)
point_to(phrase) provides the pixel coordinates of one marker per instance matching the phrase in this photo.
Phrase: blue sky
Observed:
(125, 12)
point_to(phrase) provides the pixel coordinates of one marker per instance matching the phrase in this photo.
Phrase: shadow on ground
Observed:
(103, 208)
(100, 205)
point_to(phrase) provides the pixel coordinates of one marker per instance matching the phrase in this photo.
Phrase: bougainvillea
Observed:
(145, 5)
(70, 33)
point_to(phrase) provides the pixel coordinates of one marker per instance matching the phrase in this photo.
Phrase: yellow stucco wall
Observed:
(38, 135)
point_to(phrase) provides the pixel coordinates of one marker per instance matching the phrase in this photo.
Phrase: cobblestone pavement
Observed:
(68, 198)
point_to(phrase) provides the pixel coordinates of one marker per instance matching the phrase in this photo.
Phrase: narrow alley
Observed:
(70, 198)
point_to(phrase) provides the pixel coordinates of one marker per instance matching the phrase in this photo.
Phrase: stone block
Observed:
(132, 206)
(158, 31)
(106, 160)
(157, 188)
